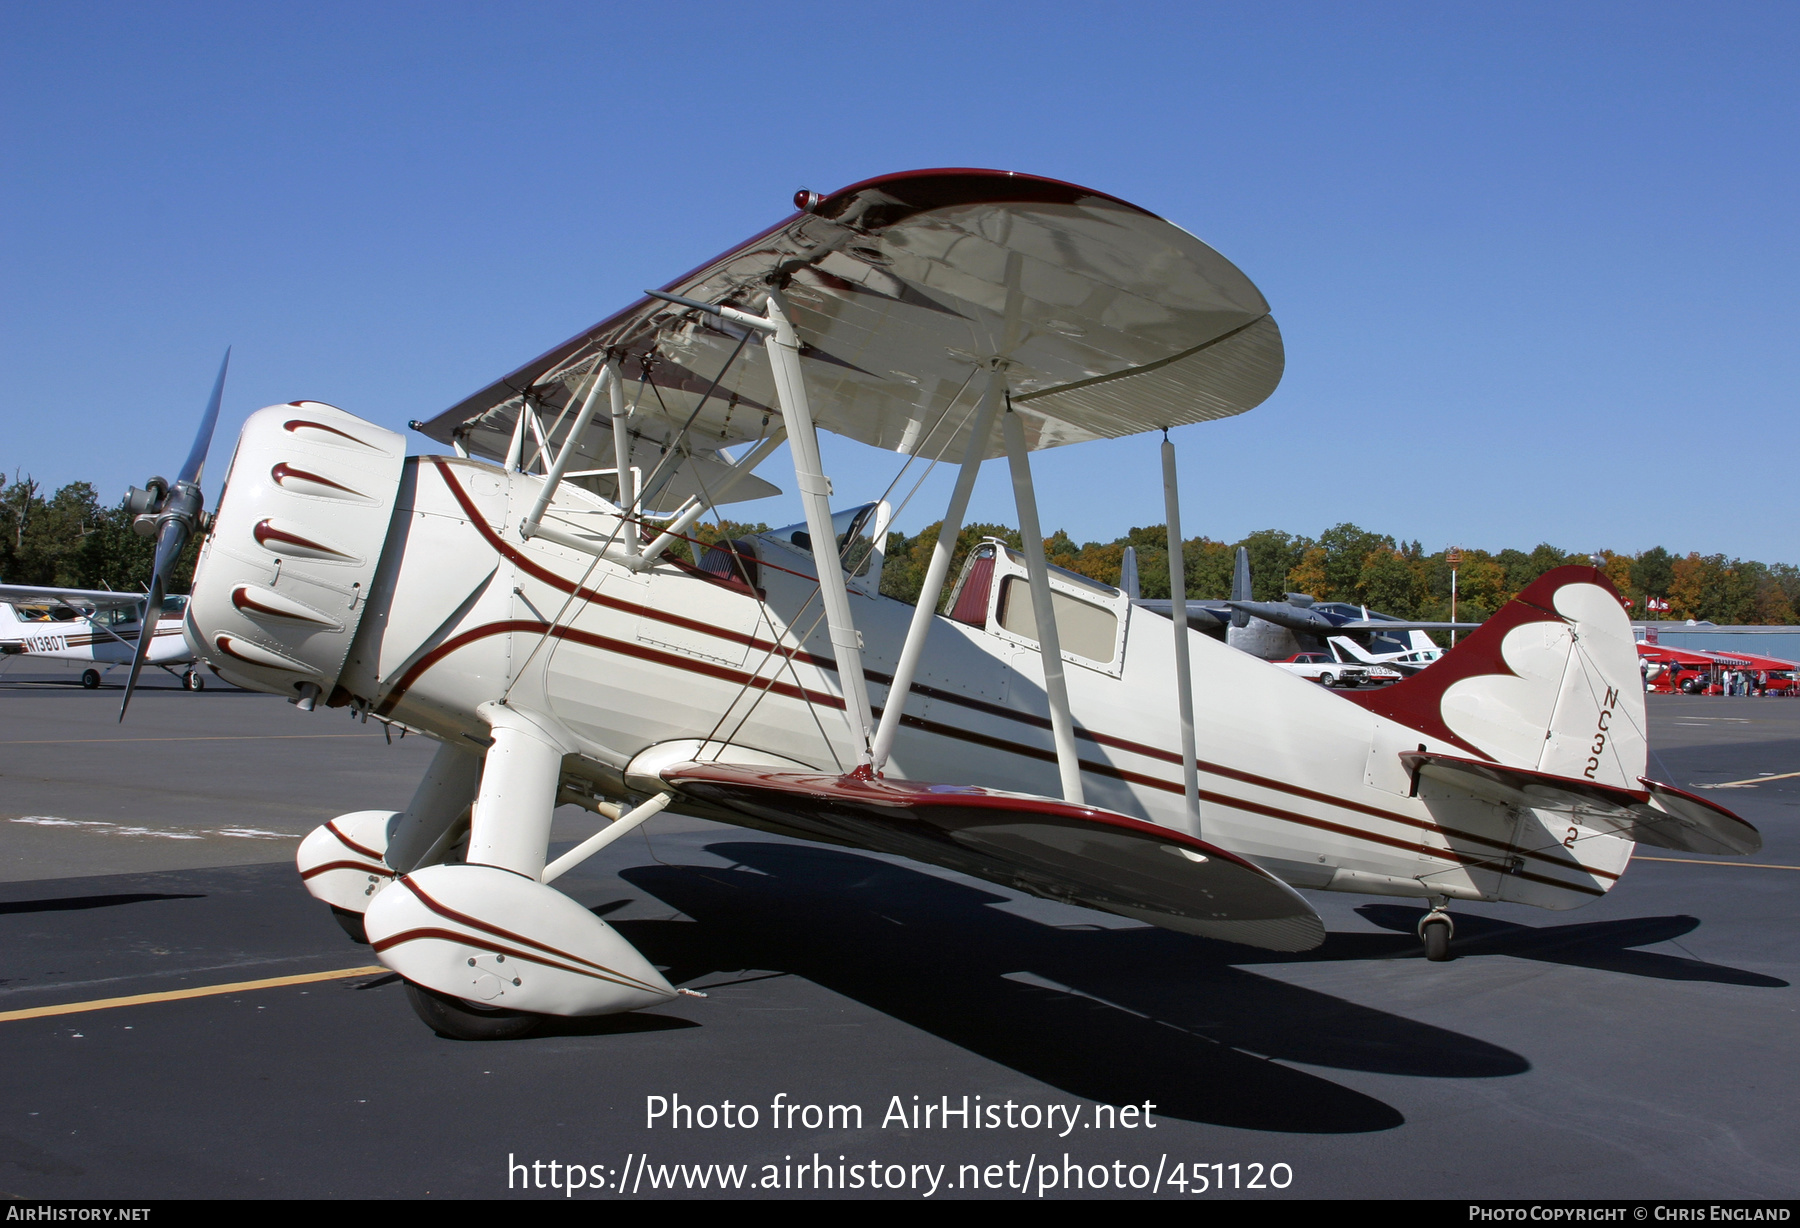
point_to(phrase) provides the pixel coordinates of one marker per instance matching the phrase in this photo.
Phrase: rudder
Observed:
(1549, 684)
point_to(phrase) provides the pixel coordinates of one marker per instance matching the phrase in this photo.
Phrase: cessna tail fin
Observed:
(1550, 684)
(1348, 647)
(1240, 586)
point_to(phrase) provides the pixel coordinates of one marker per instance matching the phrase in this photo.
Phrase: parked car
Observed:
(1326, 672)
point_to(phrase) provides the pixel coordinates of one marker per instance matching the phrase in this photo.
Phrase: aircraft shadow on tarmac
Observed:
(77, 903)
(584, 1025)
(1602, 945)
(1114, 1015)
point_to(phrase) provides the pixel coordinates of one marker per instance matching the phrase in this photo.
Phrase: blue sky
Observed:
(1536, 265)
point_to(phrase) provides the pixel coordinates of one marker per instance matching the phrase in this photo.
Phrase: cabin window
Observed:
(971, 601)
(1073, 579)
(1083, 629)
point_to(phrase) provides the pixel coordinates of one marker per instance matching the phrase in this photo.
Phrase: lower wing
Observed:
(1076, 854)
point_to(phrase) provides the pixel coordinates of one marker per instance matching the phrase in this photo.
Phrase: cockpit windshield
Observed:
(853, 528)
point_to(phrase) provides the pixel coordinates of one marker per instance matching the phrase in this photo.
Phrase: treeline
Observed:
(1353, 564)
(71, 540)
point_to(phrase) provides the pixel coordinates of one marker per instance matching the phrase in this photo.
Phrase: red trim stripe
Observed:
(470, 940)
(264, 532)
(600, 971)
(293, 423)
(506, 550)
(352, 845)
(739, 677)
(282, 471)
(383, 871)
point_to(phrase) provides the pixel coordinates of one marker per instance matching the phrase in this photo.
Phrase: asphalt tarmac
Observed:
(1641, 1047)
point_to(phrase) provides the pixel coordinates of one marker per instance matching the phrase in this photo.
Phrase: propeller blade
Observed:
(180, 510)
(169, 543)
(196, 461)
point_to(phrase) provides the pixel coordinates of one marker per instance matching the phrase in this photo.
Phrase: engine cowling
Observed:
(285, 574)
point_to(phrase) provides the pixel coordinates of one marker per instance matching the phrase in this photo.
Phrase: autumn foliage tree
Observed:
(69, 538)
(1350, 564)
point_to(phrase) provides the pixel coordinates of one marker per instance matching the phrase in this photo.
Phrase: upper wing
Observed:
(1111, 320)
(32, 594)
(1050, 848)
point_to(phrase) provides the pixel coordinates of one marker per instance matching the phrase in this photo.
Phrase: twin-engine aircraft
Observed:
(528, 601)
(78, 624)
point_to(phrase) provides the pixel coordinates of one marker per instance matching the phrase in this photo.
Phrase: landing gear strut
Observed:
(1436, 929)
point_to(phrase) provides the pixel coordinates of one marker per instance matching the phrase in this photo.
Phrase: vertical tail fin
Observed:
(1240, 586)
(1549, 684)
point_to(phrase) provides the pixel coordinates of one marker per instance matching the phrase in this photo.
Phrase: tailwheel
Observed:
(1435, 931)
(90, 678)
(193, 681)
(460, 1019)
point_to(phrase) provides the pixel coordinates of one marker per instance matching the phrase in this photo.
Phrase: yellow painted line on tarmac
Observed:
(222, 737)
(175, 995)
(1695, 861)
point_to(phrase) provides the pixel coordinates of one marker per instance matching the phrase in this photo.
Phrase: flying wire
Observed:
(657, 392)
(788, 657)
(776, 635)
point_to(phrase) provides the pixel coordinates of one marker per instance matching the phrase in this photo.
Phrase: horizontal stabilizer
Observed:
(1049, 848)
(1658, 814)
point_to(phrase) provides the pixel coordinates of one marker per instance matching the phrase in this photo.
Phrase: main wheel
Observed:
(352, 923)
(1436, 934)
(90, 678)
(463, 1020)
(193, 681)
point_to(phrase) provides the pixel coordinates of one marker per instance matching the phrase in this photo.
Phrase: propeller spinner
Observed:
(171, 514)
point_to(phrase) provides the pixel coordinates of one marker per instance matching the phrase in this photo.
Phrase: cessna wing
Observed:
(1398, 624)
(1110, 321)
(71, 598)
(1315, 622)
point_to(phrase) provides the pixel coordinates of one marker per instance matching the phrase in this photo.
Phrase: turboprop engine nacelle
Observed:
(285, 574)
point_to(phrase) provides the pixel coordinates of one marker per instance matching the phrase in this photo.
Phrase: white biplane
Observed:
(78, 624)
(520, 602)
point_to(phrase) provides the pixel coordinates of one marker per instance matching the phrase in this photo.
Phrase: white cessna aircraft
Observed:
(519, 602)
(78, 624)
(1411, 660)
